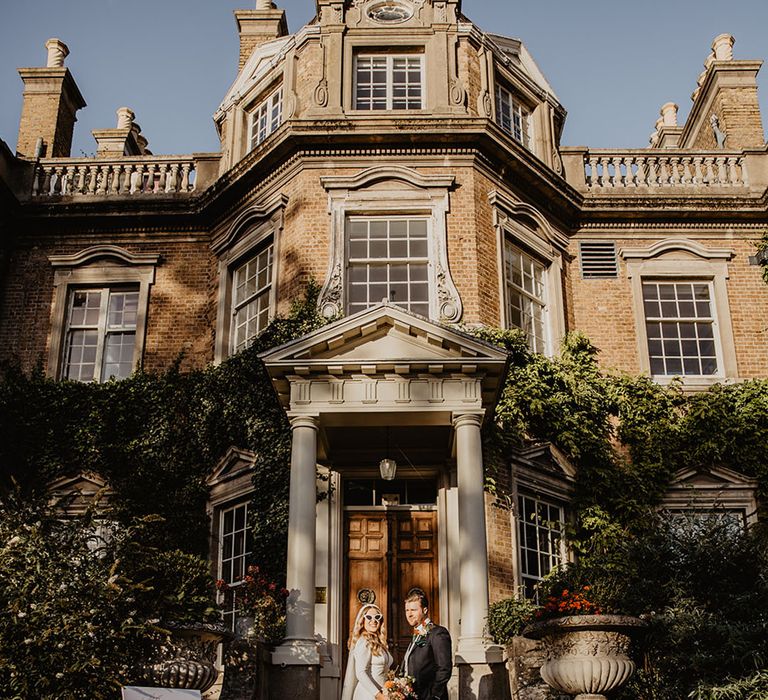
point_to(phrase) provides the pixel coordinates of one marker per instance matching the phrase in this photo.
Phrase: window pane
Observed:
(688, 347)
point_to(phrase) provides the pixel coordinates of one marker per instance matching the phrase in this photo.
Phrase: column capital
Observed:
(469, 418)
(304, 421)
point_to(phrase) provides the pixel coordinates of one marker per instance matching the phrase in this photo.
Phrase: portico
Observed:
(384, 380)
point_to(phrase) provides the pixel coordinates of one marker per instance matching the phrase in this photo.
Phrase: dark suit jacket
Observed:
(431, 665)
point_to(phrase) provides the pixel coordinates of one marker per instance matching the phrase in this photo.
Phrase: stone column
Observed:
(481, 671)
(299, 647)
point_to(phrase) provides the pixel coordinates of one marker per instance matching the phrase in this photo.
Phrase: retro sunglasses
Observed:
(376, 617)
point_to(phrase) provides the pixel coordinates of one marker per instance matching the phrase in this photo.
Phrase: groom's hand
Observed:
(380, 696)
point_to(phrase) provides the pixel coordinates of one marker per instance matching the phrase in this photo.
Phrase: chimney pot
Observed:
(669, 114)
(263, 4)
(722, 46)
(57, 52)
(125, 117)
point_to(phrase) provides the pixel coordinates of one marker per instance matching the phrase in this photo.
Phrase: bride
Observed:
(369, 659)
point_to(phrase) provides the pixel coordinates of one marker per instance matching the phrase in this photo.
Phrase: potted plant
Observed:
(588, 644)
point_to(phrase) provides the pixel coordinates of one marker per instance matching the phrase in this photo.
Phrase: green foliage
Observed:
(754, 687)
(508, 617)
(82, 613)
(155, 437)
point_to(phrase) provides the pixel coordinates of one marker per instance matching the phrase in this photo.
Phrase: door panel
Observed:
(388, 553)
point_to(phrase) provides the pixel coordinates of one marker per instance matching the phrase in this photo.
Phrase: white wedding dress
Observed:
(366, 673)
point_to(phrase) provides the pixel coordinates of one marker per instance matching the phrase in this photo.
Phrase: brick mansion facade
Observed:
(411, 164)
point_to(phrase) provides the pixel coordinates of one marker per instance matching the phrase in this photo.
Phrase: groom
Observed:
(428, 657)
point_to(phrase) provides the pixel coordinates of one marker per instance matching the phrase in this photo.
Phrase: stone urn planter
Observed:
(587, 655)
(189, 657)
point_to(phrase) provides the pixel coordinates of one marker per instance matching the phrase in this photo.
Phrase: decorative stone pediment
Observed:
(232, 477)
(385, 358)
(709, 489)
(74, 494)
(542, 468)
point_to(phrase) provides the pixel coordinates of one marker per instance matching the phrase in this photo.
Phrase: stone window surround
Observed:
(526, 228)
(250, 231)
(526, 107)
(263, 90)
(402, 45)
(98, 266)
(684, 260)
(391, 191)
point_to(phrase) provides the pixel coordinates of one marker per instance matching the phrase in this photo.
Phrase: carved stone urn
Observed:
(587, 655)
(189, 657)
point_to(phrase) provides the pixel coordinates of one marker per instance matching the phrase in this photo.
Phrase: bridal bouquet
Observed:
(398, 687)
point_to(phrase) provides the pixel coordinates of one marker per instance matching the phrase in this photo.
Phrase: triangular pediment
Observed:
(232, 465)
(385, 336)
(714, 478)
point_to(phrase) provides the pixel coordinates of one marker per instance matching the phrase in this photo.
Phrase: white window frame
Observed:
(517, 108)
(684, 260)
(265, 118)
(387, 262)
(537, 342)
(389, 58)
(98, 267)
(250, 233)
(526, 229)
(696, 320)
(558, 552)
(230, 486)
(241, 308)
(391, 191)
(103, 329)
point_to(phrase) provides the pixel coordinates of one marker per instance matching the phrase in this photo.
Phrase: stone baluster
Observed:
(101, 179)
(642, 170)
(722, 174)
(685, 178)
(674, 173)
(36, 180)
(593, 180)
(56, 183)
(744, 174)
(116, 171)
(698, 176)
(733, 173)
(653, 172)
(134, 178)
(630, 178)
(709, 176)
(185, 168)
(82, 172)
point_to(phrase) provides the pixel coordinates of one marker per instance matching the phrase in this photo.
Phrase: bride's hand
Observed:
(380, 696)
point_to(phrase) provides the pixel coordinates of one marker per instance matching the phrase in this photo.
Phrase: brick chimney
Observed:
(51, 99)
(257, 26)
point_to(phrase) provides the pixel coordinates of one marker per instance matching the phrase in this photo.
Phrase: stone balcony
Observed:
(605, 173)
(82, 179)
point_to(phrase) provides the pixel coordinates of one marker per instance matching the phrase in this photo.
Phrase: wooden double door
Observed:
(387, 554)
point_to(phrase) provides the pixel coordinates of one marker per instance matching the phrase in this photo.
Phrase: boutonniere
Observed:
(421, 631)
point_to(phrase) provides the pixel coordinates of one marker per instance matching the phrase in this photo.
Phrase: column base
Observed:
(478, 650)
(294, 682)
(483, 681)
(296, 652)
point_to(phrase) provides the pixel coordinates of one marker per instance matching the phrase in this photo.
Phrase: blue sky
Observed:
(612, 63)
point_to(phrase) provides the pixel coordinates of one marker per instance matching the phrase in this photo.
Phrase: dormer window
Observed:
(265, 118)
(513, 116)
(389, 81)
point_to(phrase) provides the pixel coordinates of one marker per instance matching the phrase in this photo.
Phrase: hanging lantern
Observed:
(388, 469)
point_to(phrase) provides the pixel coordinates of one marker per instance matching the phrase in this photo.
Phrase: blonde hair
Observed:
(376, 641)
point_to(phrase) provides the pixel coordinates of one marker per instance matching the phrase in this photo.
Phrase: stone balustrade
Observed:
(129, 175)
(605, 170)
(661, 171)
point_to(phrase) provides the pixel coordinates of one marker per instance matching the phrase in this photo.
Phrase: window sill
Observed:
(693, 384)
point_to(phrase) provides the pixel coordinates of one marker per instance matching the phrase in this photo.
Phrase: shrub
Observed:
(81, 614)
(507, 618)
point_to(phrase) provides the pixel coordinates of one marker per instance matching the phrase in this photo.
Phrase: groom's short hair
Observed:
(417, 594)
